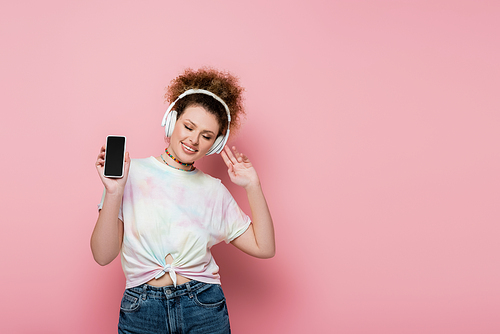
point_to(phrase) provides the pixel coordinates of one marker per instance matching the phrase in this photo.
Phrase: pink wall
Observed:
(374, 125)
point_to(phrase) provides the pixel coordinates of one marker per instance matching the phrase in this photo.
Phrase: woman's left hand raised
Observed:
(240, 169)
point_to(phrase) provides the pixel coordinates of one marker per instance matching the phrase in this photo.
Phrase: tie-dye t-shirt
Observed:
(168, 211)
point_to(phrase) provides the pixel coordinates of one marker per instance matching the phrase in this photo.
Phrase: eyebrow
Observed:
(197, 126)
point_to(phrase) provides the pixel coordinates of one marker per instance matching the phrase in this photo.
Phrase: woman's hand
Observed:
(112, 185)
(258, 239)
(240, 169)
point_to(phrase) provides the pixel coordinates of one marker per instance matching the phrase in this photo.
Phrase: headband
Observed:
(198, 91)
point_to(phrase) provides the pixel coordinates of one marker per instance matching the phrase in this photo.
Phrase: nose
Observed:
(194, 138)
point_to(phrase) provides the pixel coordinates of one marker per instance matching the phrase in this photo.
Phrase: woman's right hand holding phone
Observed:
(107, 237)
(112, 185)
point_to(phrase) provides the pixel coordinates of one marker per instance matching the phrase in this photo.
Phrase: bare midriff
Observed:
(165, 280)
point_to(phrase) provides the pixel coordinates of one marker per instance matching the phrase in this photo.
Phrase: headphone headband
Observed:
(169, 121)
(198, 91)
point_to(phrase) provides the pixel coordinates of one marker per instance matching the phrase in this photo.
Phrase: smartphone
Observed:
(114, 159)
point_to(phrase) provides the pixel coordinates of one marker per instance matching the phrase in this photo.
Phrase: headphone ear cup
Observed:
(170, 123)
(217, 146)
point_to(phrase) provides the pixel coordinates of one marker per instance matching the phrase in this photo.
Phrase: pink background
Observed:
(374, 126)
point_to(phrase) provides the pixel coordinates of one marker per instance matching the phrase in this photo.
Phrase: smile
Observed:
(188, 148)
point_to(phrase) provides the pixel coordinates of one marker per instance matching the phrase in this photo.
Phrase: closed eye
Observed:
(187, 127)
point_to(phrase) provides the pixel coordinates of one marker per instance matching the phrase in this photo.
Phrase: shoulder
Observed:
(142, 162)
(206, 180)
(143, 166)
(207, 177)
(217, 187)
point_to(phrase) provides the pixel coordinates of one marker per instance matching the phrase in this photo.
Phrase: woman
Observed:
(164, 215)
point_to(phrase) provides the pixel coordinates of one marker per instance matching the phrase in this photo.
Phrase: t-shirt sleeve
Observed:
(234, 221)
(99, 206)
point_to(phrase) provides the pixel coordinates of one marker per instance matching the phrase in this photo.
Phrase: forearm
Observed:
(107, 236)
(262, 221)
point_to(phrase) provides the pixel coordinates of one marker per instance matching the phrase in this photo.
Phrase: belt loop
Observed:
(144, 292)
(189, 290)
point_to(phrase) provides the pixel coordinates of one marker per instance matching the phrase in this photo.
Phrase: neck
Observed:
(172, 161)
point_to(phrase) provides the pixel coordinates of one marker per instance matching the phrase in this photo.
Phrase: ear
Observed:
(166, 140)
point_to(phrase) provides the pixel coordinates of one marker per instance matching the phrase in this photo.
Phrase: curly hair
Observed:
(221, 83)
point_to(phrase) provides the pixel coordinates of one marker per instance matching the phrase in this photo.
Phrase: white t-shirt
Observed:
(168, 211)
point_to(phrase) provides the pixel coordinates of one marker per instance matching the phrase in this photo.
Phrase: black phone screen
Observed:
(115, 153)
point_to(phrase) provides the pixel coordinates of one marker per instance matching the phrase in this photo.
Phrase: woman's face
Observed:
(194, 133)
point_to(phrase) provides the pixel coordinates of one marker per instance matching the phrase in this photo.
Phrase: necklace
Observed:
(176, 160)
(185, 170)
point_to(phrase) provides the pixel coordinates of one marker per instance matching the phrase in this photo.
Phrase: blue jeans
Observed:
(193, 307)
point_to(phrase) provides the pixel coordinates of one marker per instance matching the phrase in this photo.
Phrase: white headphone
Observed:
(170, 118)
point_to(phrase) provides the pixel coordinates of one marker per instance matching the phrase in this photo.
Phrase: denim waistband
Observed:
(169, 291)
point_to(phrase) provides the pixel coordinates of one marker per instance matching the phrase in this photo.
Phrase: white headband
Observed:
(198, 91)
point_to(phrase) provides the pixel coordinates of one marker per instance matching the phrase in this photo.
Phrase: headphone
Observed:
(170, 118)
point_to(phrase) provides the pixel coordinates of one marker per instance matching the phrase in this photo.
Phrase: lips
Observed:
(189, 149)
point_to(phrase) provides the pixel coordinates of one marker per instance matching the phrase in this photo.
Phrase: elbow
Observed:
(101, 258)
(102, 255)
(101, 261)
(268, 254)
